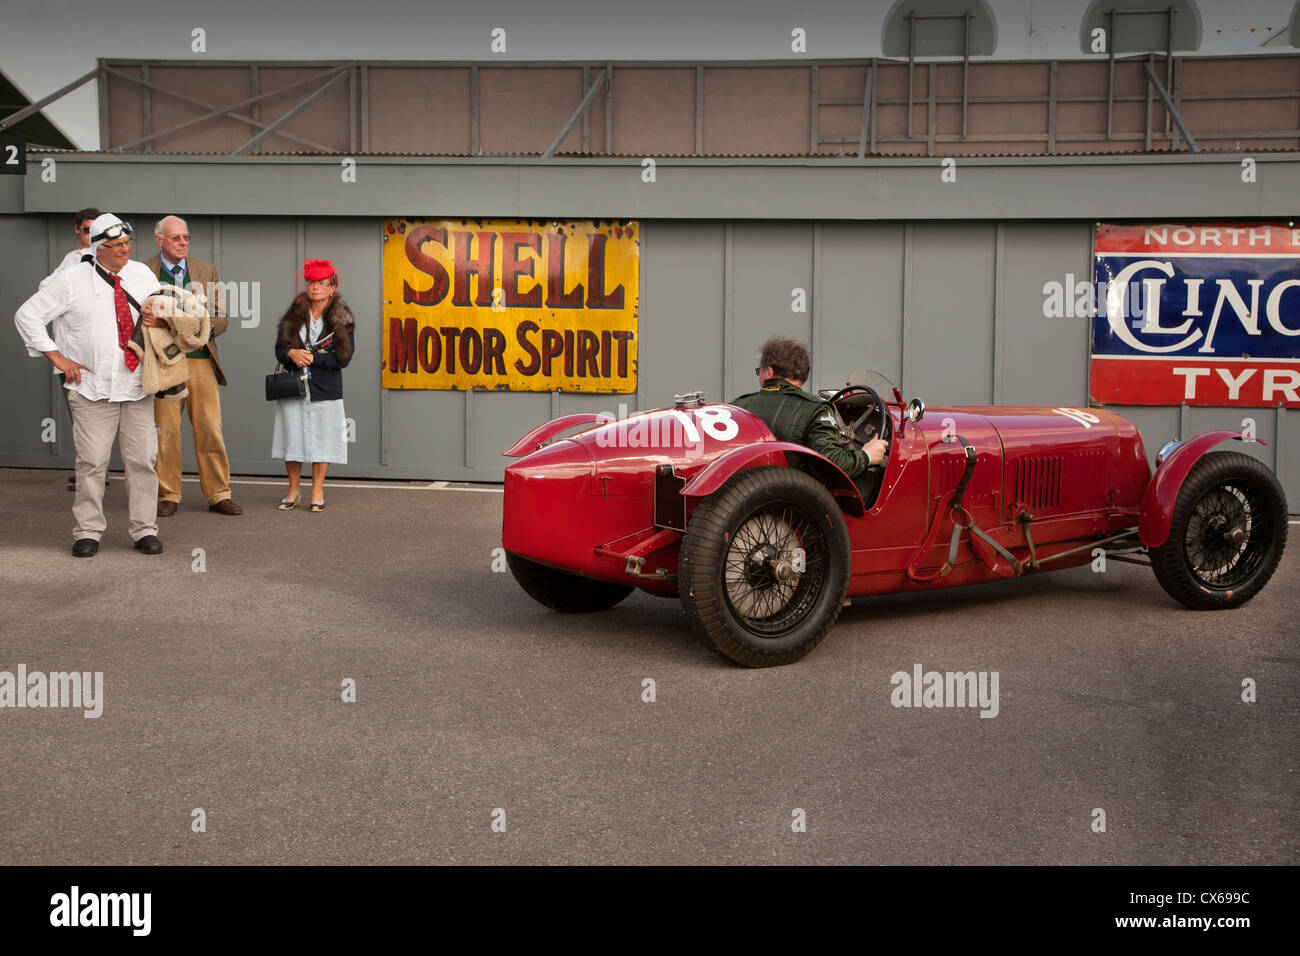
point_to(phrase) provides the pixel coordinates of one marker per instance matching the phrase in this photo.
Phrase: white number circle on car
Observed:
(717, 422)
(1086, 419)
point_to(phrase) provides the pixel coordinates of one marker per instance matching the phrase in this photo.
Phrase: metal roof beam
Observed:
(184, 98)
(586, 101)
(218, 110)
(247, 147)
(40, 104)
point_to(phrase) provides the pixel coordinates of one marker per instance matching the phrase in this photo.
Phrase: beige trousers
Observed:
(94, 426)
(204, 405)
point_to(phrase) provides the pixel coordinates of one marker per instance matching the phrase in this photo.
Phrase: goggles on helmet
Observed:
(114, 231)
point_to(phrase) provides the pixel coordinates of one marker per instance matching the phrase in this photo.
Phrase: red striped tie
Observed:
(125, 324)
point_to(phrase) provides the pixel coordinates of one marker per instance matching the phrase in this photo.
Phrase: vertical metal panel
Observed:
(931, 110)
(866, 109)
(469, 430)
(728, 307)
(1284, 464)
(352, 109)
(814, 112)
(1042, 360)
(699, 110)
(999, 308)
(951, 325)
(1150, 96)
(214, 250)
(265, 252)
(769, 261)
(365, 109)
(860, 302)
(586, 113)
(682, 315)
(473, 111)
(146, 110)
(815, 300)
(26, 391)
(254, 88)
(906, 377)
(1051, 107)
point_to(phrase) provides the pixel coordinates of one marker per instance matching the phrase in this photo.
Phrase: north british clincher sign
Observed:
(1207, 314)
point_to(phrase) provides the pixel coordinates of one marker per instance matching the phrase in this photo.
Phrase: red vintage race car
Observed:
(763, 541)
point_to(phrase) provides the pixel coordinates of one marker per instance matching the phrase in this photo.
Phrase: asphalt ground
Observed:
(222, 690)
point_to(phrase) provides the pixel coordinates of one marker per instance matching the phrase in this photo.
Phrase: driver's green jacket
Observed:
(795, 416)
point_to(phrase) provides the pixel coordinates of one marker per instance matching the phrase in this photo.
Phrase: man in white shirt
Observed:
(81, 229)
(96, 307)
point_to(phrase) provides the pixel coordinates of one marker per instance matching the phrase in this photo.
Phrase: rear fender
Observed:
(1162, 493)
(714, 476)
(540, 435)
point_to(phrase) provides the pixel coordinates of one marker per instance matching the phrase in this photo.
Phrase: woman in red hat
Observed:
(315, 335)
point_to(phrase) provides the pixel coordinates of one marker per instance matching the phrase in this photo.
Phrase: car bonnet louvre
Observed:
(1038, 482)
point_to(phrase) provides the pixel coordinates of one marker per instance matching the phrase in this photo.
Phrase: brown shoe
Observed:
(226, 507)
(167, 508)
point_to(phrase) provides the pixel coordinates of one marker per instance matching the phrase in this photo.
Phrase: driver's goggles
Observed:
(114, 231)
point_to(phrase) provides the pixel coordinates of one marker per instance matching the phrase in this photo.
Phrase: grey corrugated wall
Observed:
(952, 310)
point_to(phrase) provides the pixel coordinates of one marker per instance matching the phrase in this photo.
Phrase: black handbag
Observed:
(283, 383)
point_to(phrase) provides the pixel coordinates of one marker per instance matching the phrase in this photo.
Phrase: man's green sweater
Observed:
(795, 416)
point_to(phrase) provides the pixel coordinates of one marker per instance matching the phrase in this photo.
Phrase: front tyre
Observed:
(764, 566)
(1227, 535)
(562, 591)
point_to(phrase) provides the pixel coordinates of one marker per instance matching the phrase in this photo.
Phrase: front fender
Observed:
(840, 485)
(1162, 493)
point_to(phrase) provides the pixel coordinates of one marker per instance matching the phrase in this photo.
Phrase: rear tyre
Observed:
(738, 570)
(1227, 535)
(562, 591)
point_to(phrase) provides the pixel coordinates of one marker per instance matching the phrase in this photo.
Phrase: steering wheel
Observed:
(850, 432)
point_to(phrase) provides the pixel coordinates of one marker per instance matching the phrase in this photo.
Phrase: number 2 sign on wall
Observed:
(13, 155)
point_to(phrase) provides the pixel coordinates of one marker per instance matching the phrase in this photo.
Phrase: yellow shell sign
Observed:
(523, 306)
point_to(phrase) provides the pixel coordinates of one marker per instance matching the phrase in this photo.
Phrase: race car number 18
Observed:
(1086, 419)
(717, 423)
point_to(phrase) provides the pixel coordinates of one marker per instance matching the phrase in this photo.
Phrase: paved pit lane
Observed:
(222, 691)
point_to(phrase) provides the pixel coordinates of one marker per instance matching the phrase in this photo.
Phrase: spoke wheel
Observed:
(769, 583)
(1227, 535)
(764, 566)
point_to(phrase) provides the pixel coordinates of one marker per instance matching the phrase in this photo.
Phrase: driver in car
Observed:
(793, 415)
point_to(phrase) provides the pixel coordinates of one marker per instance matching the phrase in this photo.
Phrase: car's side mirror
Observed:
(915, 410)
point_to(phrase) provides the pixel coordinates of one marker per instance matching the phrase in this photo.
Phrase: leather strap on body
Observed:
(981, 543)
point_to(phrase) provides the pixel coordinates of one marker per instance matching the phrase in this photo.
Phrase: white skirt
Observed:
(308, 431)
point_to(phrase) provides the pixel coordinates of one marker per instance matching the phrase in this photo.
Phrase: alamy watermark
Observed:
(946, 689)
(57, 689)
(237, 300)
(679, 428)
(75, 908)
